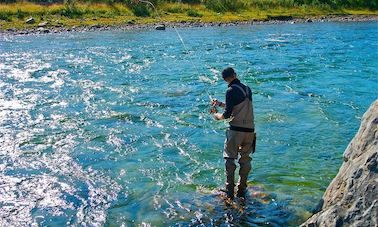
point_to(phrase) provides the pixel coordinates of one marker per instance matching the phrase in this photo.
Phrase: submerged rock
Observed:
(351, 198)
(211, 208)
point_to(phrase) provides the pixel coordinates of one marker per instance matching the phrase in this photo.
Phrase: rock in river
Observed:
(160, 27)
(351, 198)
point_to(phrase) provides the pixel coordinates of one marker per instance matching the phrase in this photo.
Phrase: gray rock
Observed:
(30, 20)
(309, 20)
(351, 198)
(160, 27)
(96, 26)
(43, 30)
(280, 18)
(131, 22)
(43, 24)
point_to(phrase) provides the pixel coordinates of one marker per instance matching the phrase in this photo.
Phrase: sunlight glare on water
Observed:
(112, 128)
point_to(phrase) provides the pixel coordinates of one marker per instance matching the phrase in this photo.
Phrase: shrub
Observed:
(224, 5)
(20, 14)
(71, 11)
(191, 1)
(176, 9)
(193, 13)
(140, 10)
(268, 4)
(5, 16)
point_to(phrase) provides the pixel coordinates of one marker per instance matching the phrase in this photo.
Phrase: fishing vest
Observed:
(242, 114)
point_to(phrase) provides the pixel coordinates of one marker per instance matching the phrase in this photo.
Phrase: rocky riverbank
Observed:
(45, 27)
(351, 198)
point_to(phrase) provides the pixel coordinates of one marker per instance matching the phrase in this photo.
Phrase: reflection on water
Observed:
(111, 128)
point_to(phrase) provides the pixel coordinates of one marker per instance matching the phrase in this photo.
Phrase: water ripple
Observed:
(112, 128)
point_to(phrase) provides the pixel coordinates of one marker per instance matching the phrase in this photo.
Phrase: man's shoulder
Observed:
(239, 85)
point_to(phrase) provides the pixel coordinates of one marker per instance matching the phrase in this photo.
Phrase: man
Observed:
(240, 137)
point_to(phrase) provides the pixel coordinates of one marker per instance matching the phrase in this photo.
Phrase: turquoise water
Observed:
(111, 128)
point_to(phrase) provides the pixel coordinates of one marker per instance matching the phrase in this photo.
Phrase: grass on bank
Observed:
(14, 15)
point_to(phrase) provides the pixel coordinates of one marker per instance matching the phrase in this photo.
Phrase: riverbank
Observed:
(29, 18)
(43, 28)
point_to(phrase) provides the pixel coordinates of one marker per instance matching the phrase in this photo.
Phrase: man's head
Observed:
(228, 74)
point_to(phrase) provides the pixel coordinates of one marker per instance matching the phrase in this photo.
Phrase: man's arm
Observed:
(218, 116)
(215, 102)
(228, 107)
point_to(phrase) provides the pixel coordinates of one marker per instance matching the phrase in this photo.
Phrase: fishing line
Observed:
(183, 44)
(187, 52)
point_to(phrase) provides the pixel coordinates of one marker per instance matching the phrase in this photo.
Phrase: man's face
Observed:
(229, 79)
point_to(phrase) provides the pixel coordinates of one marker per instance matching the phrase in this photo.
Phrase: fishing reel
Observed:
(213, 110)
(214, 104)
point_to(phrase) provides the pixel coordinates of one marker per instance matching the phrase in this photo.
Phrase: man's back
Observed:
(239, 107)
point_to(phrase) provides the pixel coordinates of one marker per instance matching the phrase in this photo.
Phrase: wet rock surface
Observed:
(213, 209)
(351, 198)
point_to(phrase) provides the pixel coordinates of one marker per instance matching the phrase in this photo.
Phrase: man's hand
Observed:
(218, 116)
(213, 110)
(215, 102)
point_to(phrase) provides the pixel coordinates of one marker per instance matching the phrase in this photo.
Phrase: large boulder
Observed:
(352, 197)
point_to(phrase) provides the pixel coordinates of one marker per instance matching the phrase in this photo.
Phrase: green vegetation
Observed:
(141, 10)
(193, 13)
(115, 12)
(225, 5)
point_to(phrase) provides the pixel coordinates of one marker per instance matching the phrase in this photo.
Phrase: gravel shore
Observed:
(45, 29)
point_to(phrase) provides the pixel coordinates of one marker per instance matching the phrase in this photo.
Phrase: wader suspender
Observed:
(245, 93)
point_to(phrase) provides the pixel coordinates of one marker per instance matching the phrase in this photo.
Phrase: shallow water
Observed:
(111, 128)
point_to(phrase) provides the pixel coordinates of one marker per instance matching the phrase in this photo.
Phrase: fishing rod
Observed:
(182, 42)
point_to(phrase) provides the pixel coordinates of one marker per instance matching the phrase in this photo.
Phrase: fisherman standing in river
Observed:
(240, 136)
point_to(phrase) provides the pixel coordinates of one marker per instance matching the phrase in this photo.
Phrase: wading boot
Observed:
(245, 168)
(230, 192)
(241, 193)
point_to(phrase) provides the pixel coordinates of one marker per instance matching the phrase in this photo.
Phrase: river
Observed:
(112, 128)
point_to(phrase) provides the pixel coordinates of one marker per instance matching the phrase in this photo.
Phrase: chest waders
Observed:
(239, 142)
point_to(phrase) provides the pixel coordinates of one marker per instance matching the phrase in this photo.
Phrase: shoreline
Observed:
(185, 24)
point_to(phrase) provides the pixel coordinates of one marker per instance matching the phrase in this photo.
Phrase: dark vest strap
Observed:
(241, 89)
(245, 93)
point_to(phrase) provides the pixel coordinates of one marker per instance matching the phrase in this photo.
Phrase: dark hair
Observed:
(228, 72)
